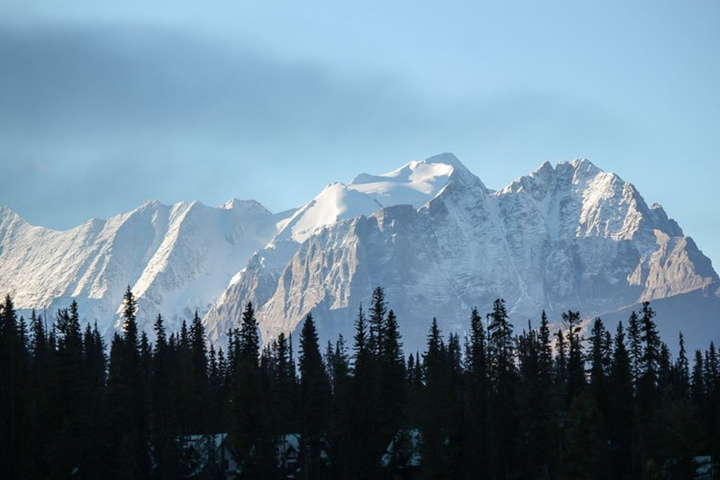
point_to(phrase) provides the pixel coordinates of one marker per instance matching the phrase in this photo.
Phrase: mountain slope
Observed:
(568, 237)
(177, 259)
(417, 182)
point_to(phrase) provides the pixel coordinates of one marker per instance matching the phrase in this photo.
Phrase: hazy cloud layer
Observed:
(121, 114)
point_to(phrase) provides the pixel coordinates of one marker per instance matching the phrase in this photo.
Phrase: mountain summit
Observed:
(568, 236)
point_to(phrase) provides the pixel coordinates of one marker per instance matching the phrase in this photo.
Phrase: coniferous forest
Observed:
(499, 403)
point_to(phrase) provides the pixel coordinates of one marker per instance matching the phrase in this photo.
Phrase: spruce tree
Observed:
(249, 433)
(340, 437)
(650, 359)
(314, 402)
(165, 427)
(70, 394)
(13, 369)
(600, 358)
(391, 381)
(363, 417)
(198, 377)
(127, 455)
(576, 358)
(503, 382)
(535, 395)
(376, 322)
(477, 413)
(682, 370)
(621, 412)
(635, 348)
(434, 427)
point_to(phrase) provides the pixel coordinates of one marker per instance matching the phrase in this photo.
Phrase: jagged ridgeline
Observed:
(498, 402)
(565, 237)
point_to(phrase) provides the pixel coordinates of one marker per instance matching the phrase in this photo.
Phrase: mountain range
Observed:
(568, 236)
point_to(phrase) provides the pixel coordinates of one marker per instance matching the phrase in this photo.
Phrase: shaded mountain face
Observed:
(564, 237)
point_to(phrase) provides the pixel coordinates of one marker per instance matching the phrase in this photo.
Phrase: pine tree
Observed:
(697, 385)
(503, 381)
(249, 339)
(682, 370)
(314, 402)
(650, 359)
(635, 348)
(127, 454)
(391, 372)
(338, 365)
(198, 377)
(477, 413)
(621, 413)
(575, 360)
(363, 417)
(165, 425)
(41, 407)
(249, 432)
(285, 390)
(712, 392)
(378, 310)
(70, 393)
(13, 369)
(600, 358)
(434, 427)
(536, 403)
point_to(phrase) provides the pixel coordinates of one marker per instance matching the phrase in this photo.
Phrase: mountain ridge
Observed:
(439, 241)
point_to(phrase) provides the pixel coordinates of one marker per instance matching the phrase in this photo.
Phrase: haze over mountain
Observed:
(568, 236)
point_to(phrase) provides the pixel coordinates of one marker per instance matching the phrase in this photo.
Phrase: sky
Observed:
(104, 105)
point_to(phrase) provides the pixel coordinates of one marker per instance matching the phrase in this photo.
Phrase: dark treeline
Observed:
(495, 404)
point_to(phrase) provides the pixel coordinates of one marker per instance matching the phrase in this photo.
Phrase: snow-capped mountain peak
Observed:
(248, 207)
(567, 235)
(415, 183)
(335, 202)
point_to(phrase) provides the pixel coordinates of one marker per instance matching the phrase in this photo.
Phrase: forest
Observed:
(498, 403)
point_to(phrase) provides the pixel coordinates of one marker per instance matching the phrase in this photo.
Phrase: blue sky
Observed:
(106, 104)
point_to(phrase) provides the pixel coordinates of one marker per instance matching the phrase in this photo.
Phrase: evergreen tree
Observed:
(585, 455)
(314, 402)
(285, 385)
(600, 358)
(650, 360)
(635, 348)
(435, 427)
(621, 413)
(536, 403)
(391, 366)
(250, 426)
(503, 382)
(13, 368)
(165, 427)
(477, 413)
(338, 365)
(362, 414)
(697, 386)
(70, 392)
(682, 370)
(198, 377)
(127, 454)
(378, 310)
(575, 359)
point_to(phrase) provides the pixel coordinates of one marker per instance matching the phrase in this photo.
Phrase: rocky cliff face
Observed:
(564, 237)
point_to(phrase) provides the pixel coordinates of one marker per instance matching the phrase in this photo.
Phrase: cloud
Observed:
(120, 113)
(112, 80)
